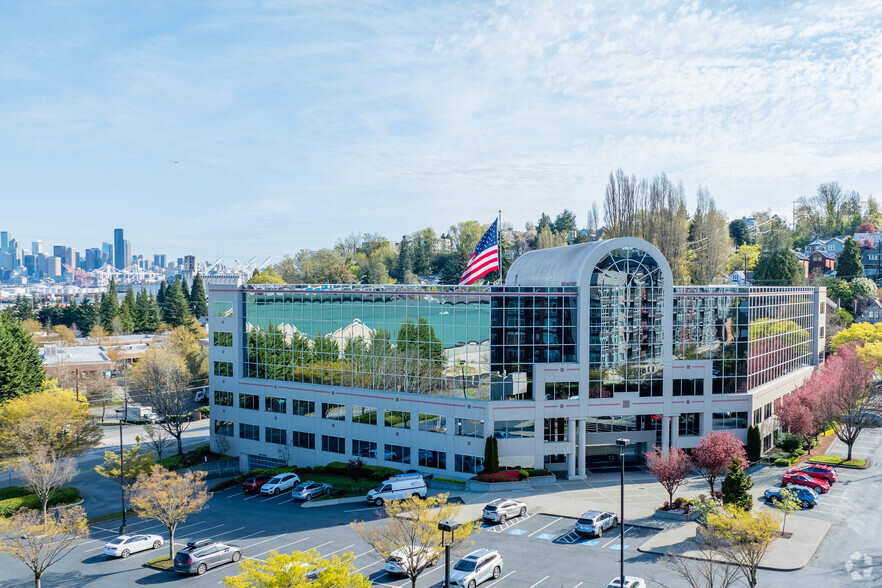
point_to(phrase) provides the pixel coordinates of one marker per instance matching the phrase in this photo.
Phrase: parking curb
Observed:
(332, 502)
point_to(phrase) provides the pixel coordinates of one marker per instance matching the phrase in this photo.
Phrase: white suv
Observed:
(595, 522)
(475, 568)
(280, 483)
(400, 561)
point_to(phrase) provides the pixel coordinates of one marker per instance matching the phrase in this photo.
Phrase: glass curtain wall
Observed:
(625, 327)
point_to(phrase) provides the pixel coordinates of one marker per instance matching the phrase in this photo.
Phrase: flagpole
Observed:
(499, 244)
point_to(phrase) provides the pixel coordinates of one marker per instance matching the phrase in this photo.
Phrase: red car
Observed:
(254, 483)
(801, 479)
(823, 472)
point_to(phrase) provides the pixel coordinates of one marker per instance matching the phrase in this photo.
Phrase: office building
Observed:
(582, 345)
(36, 247)
(159, 260)
(119, 249)
(4, 240)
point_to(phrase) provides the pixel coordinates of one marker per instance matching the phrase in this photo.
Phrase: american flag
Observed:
(485, 259)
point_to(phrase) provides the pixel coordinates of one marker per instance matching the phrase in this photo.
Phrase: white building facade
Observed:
(583, 344)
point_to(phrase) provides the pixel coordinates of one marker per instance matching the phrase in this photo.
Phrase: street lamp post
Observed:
(122, 480)
(449, 526)
(622, 443)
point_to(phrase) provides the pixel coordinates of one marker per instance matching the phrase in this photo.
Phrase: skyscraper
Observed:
(4, 240)
(119, 249)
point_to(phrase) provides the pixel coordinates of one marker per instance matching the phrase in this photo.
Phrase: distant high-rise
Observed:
(119, 250)
(127, 253)
(4, 240)
(159, 260)
(36, 247)
(93, 259)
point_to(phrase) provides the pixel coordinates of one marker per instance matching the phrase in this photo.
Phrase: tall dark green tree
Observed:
(565, 222)
(405, 260)
(154, 316)
(23, 309)
(736, 486)
(185, 290)
(87, 316)
(140, 312)
(544, 221)
(740, 232)
(848, 265)
(21, 369)
(198, 299)
(491, 455)
(176, 310)
(423, 255)
(754, 443)
(71, 313)
(109, 308)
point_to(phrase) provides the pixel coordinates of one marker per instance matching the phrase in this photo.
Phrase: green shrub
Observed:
(59, 497)
(779, 455)
(380, 473)
(523, 474)
(491, 455)
(539, 472)
(785, 462)
(754, 444)
(449, 481)
(204, 410)
(789, 443)
(13, 492)
(336, 467)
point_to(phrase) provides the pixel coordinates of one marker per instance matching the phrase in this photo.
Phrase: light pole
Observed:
(622, 443)
(122, 480)
(449, 526)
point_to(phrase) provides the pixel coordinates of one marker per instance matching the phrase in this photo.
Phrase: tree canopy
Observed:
(21, 369)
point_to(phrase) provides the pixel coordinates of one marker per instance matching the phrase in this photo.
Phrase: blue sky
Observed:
(260, 128)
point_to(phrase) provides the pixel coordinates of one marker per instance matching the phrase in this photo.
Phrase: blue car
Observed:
(806, 496)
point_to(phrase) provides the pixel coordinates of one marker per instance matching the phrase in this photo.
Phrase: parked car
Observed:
(823, 472)
(398, 488)
(595, 522)
(630, 582)
(280, 483)
(399, 561)
(201, 555)
(125, 545)
(475, 568)
(800, 479)
(502, 509)
(254, 483)
(309, 490)
(806, 496)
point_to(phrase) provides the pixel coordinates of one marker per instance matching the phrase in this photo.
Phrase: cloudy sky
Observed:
(260, 128)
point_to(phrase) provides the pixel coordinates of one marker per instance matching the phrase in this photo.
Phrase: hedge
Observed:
(509, 476)
(13, 492)
(59, 497)
(449, 481)
(377, 473)
(839, 461)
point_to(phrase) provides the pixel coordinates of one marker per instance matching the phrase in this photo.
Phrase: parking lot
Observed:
(534, 548)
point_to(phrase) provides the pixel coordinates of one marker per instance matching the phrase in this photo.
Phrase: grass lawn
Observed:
(161, 563)
(839, 461)
(345, 485)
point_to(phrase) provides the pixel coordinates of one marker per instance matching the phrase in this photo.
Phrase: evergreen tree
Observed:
(129, 302)
(736, 486)
(452, 270)
(109, 308)
(422, 257)
(185, 290)
(154, 317)
(70, 314)
(142, 307)
(21, 369)
(87, 316)
(405, 260)
(740, 232)
(778, 267)
(160, 296)
(491, 456)
(127, 321)
(565, 222)
(198, 299)
(754, 444)
(848, 265)
(23, 309)
(176, 310)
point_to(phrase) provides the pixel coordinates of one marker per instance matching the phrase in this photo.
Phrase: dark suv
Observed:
(200, 555)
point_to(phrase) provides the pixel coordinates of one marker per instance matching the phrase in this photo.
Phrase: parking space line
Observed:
(252, 534)
(548, 525)
(373, 563)
(360, 509)
(322, 545)
(230, 531)
(255, 496)
(204, 530)
(259, 542)
(236, 494)
(279, 547)
(539, 582)
(579, 584)
(338, 551)
(273, 497)
(501, 579)
(365, 553)
(625, 532)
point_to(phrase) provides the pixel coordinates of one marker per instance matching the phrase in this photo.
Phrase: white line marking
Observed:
(252, 534)
(619, 536)
(360, 509)
(264, 541)
(273, 497)
(236, 494)
(365, 553)
(579, 584)
(230, 531)
(338, 551)
(546, 526)
(322, 545)
(539, 582)
(279, 547)
(501, 579)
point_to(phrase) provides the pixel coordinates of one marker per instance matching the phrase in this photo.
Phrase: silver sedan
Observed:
(310, 490)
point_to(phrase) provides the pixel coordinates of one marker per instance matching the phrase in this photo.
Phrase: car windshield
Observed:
(490, 507)
(275, 480)
(117, 541)
(300, 487)
(466, 565)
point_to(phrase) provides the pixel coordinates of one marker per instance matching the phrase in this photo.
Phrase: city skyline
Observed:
(232, 130)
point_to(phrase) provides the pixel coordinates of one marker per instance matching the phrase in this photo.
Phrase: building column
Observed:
(666, 434)
(580, 449)
(675, 431)
(571, 458)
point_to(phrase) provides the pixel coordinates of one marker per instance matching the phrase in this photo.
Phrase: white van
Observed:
(398, 488)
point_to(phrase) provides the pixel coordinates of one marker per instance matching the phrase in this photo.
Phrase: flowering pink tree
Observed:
(714, 453)
(798, 412)
(669, 469)
(848, 398)
(867, 227)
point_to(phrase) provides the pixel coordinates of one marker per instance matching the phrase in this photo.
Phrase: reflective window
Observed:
(612, 424)
(397, 418)
(729, 420)
(433, 459)
(333, 412)
(433, 423)
(274, 404)
(690, 423)
(223, 428)
(223, 339)
(364, 414)
(249, 401)
(470, 428)
(561, 390)
(364, 448)
(514, 429)
(333, 444)
(222, 309)
(304, 440)
(304, 408)
(273, 435)
(397, 453)
(249, 432)
(555, 430)
(222, 398)
(683, 387)
(223, 368)
(468, 464)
